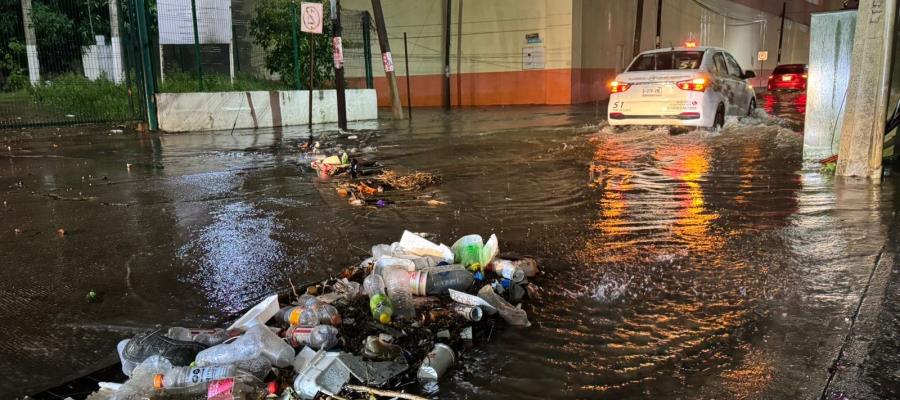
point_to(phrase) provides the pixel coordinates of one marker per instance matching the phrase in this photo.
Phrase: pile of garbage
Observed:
(395, 323)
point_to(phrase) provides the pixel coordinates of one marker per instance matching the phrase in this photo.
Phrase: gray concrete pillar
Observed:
(34, 65)
(862, 133)
(118, 74)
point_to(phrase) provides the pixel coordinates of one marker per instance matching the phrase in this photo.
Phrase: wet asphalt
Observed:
(694, 265)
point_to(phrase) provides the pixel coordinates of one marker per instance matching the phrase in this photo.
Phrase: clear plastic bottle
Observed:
(397, 287)
(507, 269)
(319, 337)
(297, 315)
(189, 376)
(373, 284)
(327, 314)
(257, 341)
(127, 366)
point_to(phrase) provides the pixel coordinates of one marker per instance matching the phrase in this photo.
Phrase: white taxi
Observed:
(686, 86)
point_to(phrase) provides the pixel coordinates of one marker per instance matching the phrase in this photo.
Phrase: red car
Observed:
(788, 77)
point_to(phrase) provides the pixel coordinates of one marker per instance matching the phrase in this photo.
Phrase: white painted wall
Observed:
(189, 112)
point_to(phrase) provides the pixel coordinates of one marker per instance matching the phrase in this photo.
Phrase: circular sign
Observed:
(311, 17)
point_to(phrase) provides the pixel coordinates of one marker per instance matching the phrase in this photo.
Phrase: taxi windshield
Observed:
(667, 60)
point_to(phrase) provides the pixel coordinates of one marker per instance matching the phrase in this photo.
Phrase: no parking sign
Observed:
(311, 17)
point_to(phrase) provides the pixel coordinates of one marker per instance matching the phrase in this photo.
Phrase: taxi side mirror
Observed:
(749, 74)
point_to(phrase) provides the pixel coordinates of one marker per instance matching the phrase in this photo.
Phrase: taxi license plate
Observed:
(651, 91)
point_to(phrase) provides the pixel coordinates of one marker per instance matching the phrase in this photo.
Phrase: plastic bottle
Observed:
(528, 265)
(208, 337)
(297, 315)
(327, 314)
(397, 287)
(382, 308)
(439, 280)
(189, 376)
(257, 341)
(513, 315)
(507, 269)
(373, 284)
(141, 383)
(385, 264)
(127, 366)
(321, 337)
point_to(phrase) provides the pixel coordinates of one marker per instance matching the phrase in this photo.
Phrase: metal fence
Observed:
(72, 61)
(65, 61)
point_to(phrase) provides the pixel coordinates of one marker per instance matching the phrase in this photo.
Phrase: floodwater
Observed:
(697, 265)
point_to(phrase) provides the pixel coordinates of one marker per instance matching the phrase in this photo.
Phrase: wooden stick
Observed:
(384, 393)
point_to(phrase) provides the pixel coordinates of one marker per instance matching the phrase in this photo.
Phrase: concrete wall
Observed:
(185, 112)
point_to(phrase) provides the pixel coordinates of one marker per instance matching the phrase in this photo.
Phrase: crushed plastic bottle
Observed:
(528, 266)
(257, 341)
(472, 252)
(310, 314)
(513, 315)
(207, 337)
(321, 337)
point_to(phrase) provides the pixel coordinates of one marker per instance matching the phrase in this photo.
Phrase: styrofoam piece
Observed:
(259, 314)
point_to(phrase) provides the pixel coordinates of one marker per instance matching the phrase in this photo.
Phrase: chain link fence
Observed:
(73, 61)
(64, 61)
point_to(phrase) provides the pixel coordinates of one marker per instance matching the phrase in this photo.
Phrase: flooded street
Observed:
(696, 265)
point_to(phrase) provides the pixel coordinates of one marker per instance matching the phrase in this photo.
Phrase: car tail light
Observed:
(805, 76)
(695, 85)
(618, 87)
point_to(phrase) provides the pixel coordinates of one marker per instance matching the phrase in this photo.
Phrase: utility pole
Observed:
(338, 53)
(448, 6)
(638, 25)
(386, 58)
(459, 55)
(781, 31)
(659, 23)
(34, 64)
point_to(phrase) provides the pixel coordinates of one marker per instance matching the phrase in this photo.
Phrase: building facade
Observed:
(507, 52)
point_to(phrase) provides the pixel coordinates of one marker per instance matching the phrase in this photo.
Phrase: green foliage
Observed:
(187, 83)
(271, 30)
(76, 95)
(829, 169)
(14, 74)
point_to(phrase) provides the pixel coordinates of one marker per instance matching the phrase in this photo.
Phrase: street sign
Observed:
(311, 17)
(762, 56)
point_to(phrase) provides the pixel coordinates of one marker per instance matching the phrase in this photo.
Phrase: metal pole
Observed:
(408, 91)
(196, 45)
(34, 64)
(459, 55)
(638, 26)
(446, 36)
(296, 45)
(338, 56)
(367, 48)
(118, 76)
(149, 87)
(312, 69)
(387, 59)
(781, 31)
(659, 5)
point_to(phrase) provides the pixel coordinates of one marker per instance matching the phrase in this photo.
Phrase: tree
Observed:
(271, 30)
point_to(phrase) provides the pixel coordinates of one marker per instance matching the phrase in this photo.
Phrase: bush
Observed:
(74, 94)
(187, 83)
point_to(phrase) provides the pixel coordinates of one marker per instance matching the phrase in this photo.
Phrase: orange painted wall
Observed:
(550, 87)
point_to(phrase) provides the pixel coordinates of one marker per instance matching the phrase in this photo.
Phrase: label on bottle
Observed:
(222, 389)
(299, 335)
(206, 374)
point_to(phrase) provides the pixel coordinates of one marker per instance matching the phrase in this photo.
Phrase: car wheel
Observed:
(719, 120)
(752, 107)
